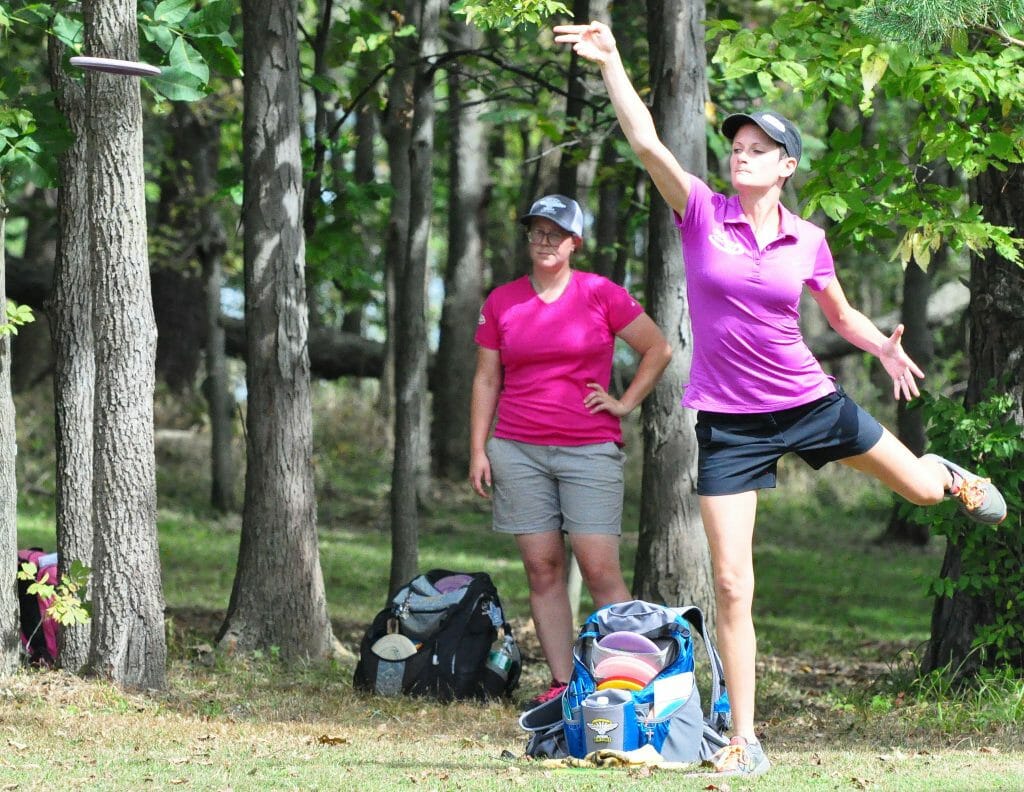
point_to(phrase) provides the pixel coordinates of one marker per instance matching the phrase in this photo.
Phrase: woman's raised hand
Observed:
(594, 42)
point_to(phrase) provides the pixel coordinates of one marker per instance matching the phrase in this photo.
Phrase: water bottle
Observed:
(503, 654)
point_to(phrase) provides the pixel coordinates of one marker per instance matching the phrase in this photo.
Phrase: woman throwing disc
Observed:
(758, 391)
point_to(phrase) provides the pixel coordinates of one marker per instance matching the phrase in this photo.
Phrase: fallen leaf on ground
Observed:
(330, 739)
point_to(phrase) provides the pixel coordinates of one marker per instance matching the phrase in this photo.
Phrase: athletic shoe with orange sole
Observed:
(739, 758)
(977, 497)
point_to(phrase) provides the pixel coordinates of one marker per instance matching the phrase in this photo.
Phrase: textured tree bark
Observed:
(996, 352)
(128, 642)
(463, 281)
(410, 339)
(568, 164)
(201, 157)
(917, 341)
(278, 597)
(673, 562)
(74, 372)
(8, 484)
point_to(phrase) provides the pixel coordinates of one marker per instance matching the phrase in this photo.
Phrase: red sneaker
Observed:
(555, 689)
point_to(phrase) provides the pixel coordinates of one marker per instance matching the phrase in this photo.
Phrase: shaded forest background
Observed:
(414, 143)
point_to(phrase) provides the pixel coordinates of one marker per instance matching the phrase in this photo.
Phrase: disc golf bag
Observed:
(660, 706)
(443, 635)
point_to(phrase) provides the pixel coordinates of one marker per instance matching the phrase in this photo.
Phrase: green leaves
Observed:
(172, 12)
(186, 77)
(508, 14)
(873, 66)
(67, 607)
(961, 108)
(191, 41)
(992, 558)
(17, 315)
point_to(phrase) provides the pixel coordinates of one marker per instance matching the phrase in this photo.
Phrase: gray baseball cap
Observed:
(775, 126)
(560, 210)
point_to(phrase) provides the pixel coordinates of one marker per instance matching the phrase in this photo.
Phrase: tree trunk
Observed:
(609, 232)
(463, 282)
(204, 154)
(128, 641)
(74, 374)
(673, 563)
(917, 341)
(410, 340)
(278, 597)
(568, 163)
(364, 172)
(996, 352)
(397, 129)
(9, 649)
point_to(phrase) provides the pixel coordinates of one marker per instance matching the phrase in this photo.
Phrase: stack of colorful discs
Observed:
(623, 671)
(629, 644)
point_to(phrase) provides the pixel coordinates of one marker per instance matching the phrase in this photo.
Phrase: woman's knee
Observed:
(929, 485)
(734, 589)
(543, 575)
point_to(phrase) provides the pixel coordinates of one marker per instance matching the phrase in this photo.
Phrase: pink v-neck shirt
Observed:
(749, 355)
(549, 352)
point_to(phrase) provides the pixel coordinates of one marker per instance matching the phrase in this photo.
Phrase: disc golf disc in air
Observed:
(114, 66)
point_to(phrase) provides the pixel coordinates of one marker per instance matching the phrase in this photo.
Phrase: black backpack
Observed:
(443, 635)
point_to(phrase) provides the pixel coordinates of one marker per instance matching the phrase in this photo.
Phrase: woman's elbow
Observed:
(663, 351)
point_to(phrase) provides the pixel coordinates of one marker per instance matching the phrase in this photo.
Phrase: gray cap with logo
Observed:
(775, 126)
(560, 210)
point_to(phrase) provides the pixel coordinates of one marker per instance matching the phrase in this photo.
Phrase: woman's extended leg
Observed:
(928, 479)
(920, 480)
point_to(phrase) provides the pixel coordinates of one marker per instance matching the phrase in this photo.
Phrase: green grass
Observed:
(840, 703)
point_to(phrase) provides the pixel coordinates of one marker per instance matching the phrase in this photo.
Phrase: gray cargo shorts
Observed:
(576, 489)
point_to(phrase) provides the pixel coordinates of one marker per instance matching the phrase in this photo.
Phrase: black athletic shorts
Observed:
(739, 452)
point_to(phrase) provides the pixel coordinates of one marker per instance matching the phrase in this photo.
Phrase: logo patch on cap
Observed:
(774, 122)
(549, 204)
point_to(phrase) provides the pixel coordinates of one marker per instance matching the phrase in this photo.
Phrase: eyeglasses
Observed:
(553, 238)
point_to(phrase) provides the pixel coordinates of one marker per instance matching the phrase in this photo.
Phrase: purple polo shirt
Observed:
(749, 355)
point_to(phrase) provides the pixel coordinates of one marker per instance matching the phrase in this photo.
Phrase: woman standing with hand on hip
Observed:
(544, 362)
(758, 390)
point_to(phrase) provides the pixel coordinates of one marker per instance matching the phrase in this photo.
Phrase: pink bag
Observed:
(38, 630)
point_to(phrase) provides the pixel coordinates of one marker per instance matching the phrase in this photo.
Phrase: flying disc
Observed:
(626, 641)
(393, 646)
(114, 66)
(625, 666)
(620, 683)
(645, 649)
(450, 583)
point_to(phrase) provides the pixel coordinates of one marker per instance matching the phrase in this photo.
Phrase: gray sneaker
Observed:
(738, 759)
(977, 497)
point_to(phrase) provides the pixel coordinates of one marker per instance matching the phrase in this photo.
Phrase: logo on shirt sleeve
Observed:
(480, 320)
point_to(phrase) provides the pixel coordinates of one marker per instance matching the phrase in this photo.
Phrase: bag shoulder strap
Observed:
(719, 714)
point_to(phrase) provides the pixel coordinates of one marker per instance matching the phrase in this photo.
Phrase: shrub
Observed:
(984, 439)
